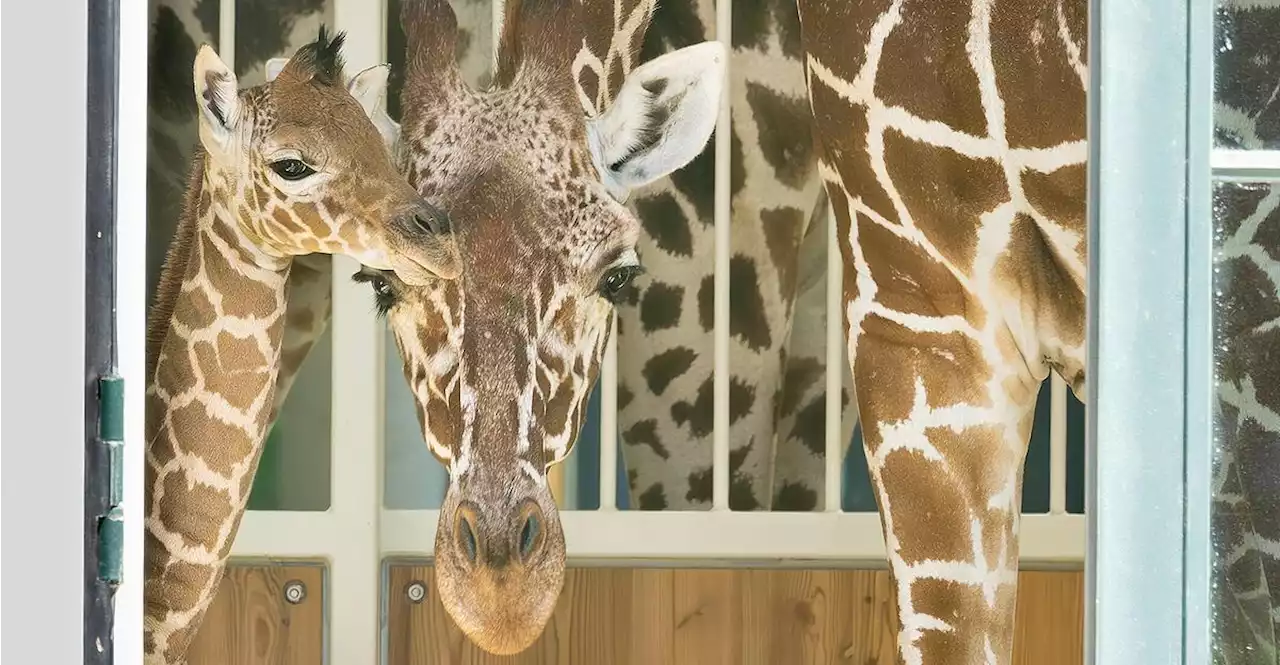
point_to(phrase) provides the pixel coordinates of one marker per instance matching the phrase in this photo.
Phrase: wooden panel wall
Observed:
(635, 617)
(250, 623)
(725, 617)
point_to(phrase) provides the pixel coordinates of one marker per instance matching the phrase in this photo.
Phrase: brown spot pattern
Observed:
(945, 192)
(1044, 99)
(910, 281)
(645, 433)
(665, 367)
(784, 138)
(1047, 292)
(783, 230)
(234, 370)
(233, 444)
(1060, 196)
(193, 509)
(666, 224)
(925, 67)
(958, 605)
(661, 306)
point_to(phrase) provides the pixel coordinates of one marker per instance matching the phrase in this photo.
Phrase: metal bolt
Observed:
(416, 591)
(295, 592)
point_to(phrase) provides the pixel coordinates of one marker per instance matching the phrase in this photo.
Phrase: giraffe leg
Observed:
(799, 468)
(945, 447)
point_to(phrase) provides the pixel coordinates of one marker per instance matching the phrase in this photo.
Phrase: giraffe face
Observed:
(311, 168)
(501, 359)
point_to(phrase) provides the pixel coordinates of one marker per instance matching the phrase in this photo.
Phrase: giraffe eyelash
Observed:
(615, 282)
(384, 297)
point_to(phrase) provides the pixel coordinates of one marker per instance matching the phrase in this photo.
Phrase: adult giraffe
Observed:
(965, 284)
(951, 138)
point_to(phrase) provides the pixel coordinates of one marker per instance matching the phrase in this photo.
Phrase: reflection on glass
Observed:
(413, 479)
(1246, 508)
(1247, 75)
(294, 471)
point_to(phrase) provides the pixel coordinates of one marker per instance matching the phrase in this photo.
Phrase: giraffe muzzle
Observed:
(424, 245)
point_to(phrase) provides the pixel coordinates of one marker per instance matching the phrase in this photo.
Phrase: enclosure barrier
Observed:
(356, 534)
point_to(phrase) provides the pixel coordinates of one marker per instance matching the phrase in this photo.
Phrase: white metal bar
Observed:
(1245, 160)
(288, 534)
(835, 363)
(723, 201)
(1057, 444)
(131, 312)
(609, 421)
(227, 33)
(353, 597)
(758, 537)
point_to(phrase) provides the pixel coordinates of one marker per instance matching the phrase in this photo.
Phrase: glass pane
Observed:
(413, 478)
(294, 473)
(1247, 75)
(1246, 509)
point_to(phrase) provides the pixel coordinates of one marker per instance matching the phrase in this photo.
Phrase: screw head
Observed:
(416, 592)
(295, 592)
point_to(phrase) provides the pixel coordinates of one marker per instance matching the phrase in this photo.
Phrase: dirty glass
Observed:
(1246, 311)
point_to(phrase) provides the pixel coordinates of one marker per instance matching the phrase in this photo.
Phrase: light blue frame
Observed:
(1148, 427)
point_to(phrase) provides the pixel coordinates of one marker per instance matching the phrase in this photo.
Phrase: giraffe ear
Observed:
(661, 118)
(369, 87)
(274, 66)
(217, 97)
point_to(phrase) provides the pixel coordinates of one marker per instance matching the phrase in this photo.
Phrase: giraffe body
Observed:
(777, 302)
(951, 141)
(285, 169)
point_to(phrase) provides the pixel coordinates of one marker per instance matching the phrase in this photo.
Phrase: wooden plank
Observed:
(1050, 623)
(752, 617)
(251, 623)
(637, 617)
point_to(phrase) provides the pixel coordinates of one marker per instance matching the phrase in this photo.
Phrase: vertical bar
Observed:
(1138, 207)
(835, 362)
(100, 545)
(131, 313)
(1057, 445)
(357, 405)
(1200, 399)
(723, 200)
(227, 33)
(609, 420)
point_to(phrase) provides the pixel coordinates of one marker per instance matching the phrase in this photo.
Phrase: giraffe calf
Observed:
(288, 168)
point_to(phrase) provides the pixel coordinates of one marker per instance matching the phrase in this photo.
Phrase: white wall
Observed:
(43, 382)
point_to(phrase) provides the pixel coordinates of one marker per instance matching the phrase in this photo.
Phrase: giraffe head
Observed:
(502, 359)
(307, 168)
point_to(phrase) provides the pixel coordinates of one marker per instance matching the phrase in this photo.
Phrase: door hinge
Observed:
(111, 435)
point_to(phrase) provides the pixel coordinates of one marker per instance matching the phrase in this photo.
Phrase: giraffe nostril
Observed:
(468, 541)
(432, 220)
(531, 534)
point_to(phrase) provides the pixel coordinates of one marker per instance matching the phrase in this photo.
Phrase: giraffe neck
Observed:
(214, 349)
(609, 36)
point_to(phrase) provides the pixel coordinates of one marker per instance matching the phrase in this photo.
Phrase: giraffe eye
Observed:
(384, 296)
(616, 281)
(292, 169)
